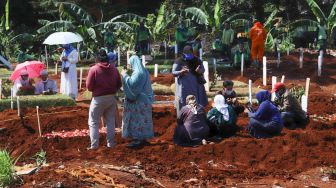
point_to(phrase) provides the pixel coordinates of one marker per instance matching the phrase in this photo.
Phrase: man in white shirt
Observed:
(23, 85)
(46, 86)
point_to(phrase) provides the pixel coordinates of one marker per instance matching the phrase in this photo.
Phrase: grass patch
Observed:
(39, 100)
(162, 89)
(5, 73)
(7, 175)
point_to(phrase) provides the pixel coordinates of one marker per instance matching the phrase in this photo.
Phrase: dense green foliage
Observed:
(7, 176)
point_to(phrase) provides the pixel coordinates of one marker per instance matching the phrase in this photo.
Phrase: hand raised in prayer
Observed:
(184, 71)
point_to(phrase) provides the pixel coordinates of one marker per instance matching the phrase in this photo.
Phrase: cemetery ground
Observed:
(297, 158)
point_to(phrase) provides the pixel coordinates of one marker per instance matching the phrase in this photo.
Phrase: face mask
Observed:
(188, 57)
(229, 92)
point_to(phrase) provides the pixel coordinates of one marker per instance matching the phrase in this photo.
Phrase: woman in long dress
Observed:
(69, 59)
(137, 116)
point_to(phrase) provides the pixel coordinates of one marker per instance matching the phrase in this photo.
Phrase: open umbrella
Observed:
(32, 67)
(62, 38)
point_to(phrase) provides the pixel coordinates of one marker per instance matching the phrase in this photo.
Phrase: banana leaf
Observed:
(332, 16)
(24, 37)
(269, 20)
(59, 25)
(197, 14)
(217, 14)
(245, 16)
(160, 19)
(316, 10)
(128, 17)
(76, 12)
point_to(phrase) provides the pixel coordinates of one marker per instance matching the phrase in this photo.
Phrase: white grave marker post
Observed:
(165, 48)
(12, 93)
(80, 77)
(156, 70)
(242, 65)
(176, 50)
(301, 58)
(177, 104)
(274, 81)
(250, 91)
(38, 120)
(215, 65)
(78, 50)
(56, 68)
(0, 88)
(206, 75)
(128, 57)
(319, 65)
(143, 59)
(304, 98)
(283, 79)
(264, 71)
(279, 59)
(201, 54)
(119, 56)
(287, 51)
(18, 105)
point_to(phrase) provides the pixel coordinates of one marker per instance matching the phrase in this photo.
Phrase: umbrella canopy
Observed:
(62, 38)
(32, 67)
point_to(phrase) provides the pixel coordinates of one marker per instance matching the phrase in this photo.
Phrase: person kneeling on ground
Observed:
(192, 125)
(46, 86)
(231, 96)
(104, 82)
(222, 118)
(24, 85)
(290, 108)
(266, 121)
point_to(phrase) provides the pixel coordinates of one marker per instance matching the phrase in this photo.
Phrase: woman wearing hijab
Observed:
(137, 116)
(192, 125)
(69, 59)
(266, 121)
(190, 81)
(222, 118)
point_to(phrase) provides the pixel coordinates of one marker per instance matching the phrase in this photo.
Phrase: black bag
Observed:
(201, 79)
(65, 69)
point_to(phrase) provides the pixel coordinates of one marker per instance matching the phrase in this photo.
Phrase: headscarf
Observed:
(263, 96)
(112, 57)
(222, 107)
(139, 82)
(67, 49)
(192, 103)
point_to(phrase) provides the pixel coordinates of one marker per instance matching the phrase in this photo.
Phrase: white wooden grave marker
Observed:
(206, 75)
(264, 71)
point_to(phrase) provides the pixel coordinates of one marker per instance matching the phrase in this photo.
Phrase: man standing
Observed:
(46, 86)
(142, 39)
(258, 36)
(104, 82)
(181, 36)
(227, 39)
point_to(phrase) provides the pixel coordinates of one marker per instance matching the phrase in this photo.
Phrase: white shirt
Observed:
(42, 86)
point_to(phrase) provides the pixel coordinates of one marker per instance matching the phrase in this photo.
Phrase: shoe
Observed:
(91, 148)
(111, 145)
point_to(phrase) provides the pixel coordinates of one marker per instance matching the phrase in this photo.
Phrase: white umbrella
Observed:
(62, 38)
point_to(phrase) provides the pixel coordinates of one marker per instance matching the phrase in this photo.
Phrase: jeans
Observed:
(102, 106)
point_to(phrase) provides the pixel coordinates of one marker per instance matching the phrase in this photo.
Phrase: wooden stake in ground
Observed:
(274, 81)
(177, 104)
(279, 59)
(12, 94)
(80, 77)
(242, 65)
(156, 70)
(46, 56)
(176, 50)
(319, 63)
(119, 56)
(18, 105)
(201, 54)
(250, 91)
(206, 75)
(283, 79)
(287, 51)
(78, 50)
(143, 59)
(38, 120)
(165, 48)
(301, 58)
(0, 88)
(264, 71)
(215, 65)
(56, 71)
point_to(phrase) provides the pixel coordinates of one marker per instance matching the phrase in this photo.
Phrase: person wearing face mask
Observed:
(46, 86)
(222, 118)
(290, 108)
(69, 59)
(192, 125)
(231, 96)
(266, 122)
(23, 85)
(190, 80)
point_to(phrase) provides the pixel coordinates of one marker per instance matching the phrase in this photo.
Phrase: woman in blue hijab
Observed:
(137, 116)
(266, 121)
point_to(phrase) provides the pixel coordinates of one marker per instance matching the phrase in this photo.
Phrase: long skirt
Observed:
(137, 121)
(69, 82)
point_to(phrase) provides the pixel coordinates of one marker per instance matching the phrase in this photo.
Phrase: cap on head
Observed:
(44, 73)
(278, 86)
